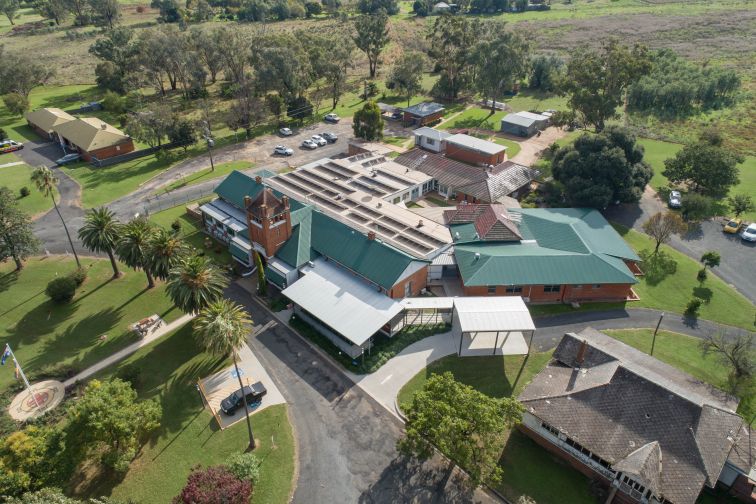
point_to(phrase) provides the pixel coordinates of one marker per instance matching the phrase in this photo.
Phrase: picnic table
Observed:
(147, 325)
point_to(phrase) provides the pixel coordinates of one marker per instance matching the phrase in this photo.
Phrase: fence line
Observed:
(159, 202)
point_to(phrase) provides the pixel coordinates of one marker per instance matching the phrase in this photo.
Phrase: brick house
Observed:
(92, 138)
(423, 113)
(43, 121)
(649, 432)
(555, 255)
(473, 150)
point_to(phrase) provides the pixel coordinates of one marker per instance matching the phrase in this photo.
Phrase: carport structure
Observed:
(493, 326)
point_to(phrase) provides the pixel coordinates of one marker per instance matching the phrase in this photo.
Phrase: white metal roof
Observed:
(488, 314)
(470, 142)
(347, 304)
(531, 115)
(431, 133)
(430, 302)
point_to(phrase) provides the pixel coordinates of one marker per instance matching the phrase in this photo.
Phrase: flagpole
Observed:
(23, 376)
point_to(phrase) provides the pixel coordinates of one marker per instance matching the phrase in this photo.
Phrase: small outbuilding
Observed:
(430, 139)
(423, 113)
(524, 124)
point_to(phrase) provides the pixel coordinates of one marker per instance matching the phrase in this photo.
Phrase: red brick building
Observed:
(92, 138)
(423, 113)
(473, 150)
(43, 121)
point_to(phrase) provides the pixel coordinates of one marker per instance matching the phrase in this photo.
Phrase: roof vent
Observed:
(258, 179)
(379, 205)
(103, 126)
(420, 223)
(477, 255)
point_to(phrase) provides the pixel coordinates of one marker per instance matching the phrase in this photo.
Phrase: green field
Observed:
(47, 337)
(18, 176)
(189, 435)
(221, 170)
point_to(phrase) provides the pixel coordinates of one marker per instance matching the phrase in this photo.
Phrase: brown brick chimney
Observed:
(581, 353)
(371, 235)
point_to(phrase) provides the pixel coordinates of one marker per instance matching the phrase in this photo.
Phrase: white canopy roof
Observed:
(347, 304)
(430, 302)
(491, 314)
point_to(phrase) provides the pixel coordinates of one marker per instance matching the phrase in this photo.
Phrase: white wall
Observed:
(428, 143)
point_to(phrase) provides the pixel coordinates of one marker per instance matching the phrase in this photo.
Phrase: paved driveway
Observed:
(346, 442)
(738, 257)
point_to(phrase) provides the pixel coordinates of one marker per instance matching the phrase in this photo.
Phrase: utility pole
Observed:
(653, 341)
(210, 144)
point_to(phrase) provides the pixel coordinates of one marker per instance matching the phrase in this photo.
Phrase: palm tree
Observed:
(221, 328)
(100, 234)
(164, 252)
(132, 246)
(195, 283)
(46, 182)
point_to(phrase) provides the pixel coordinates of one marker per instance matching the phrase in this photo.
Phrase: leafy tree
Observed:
(736, 351)
(599, 169)
(182, 132)
(206, 44)
(299, 108)
(332, 6)
(546, 72)
(46, 182)
(696, 207)
(108, 419)
(100, 233)
(21, 72)
(17, 240)
(596, 81)
(282, 65)
(706, 168)
(276, 105)
(61, 289)
(450, 41)
(368, 123)
(740, 204)
(262, 284)
(662, 225)
(500, 59)
(119, 53)
(3, 134)
(710, 259)
(236, 53)
(132, 246)
(170, 10)
(22, 454)
(421, 8)
(80, 10)
(391, 7)
(57, 10)
(195, 283)
(466, 425)
(222, 328)
(16, 103)
(407, 74)
(245, 466)
(214, 485)
(107, 12)
(164, 252)
(150, 126)
(371, 36)
(313, 9)
(9, 8)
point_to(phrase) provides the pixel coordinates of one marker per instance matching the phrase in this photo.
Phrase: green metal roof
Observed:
(373, 259)
(464, 232)
(237, 185)
(559, 246)
(297, 250)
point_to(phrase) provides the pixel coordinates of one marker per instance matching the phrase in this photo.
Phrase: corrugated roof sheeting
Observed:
(488, 314)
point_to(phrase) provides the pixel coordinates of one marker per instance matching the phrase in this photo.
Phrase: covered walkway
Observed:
(492, 325)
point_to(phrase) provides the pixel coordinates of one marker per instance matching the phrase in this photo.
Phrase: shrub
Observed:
(3, 134)
(16, 103)
(176, 226)
(245, 466)
(112, 102)
(693, 306)
(214, 485)
(140, 9)
(24, 192)
(701, 275)
(61, 290)
(79, 276)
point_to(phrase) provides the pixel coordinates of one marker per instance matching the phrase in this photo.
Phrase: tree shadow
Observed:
(8, 279)
(703, 293)
(657, 266)
(694, 231)
(41, 320)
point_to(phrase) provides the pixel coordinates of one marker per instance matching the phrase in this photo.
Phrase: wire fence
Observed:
(164, 201)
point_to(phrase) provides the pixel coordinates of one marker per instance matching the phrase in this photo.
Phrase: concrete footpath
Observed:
(125, 352)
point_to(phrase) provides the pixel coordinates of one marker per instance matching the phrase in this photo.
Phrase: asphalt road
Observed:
(738, 266)
(346, 441)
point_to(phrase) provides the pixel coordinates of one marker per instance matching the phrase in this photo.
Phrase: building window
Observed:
(492, 289)
(551, 429)
(514, 289)
(408, 289)
(579, 286)
(552, 288)
(430, 141)
(596, 286)
(397, 200)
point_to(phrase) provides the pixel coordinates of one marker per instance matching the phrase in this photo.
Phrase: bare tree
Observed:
(661, 226)
(735, 351)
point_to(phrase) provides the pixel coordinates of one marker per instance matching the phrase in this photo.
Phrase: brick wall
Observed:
(419, 281)
(39, 131)
(107, 152)
(568, 293)
(422, 121)
(474, 157)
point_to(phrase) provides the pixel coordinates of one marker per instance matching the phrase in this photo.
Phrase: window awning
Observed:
(344, 302)
(492, 314)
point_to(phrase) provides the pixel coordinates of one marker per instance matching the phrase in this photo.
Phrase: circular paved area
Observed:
(47, 395)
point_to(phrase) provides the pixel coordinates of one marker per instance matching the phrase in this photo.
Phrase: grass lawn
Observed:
(45, 336)
(221, 170)
(512, 147)
(684, 353)
(474, 117)
(656, 151)
(671, 292)
(16, 177)
(191, 232)
(189, 436)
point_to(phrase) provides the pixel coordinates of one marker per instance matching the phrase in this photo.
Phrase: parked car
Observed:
(285, 132)
(319, 140)
(749, 233)
(329, 137)
(282, 150)
(397, 115)
(733, 226)
(332, 118)
(68, 158)
(675, 199)
(10, 146)
(252, 393)
(309, 144)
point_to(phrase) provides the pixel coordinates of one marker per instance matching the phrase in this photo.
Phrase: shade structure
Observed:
(347, 304)
(491, 314)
